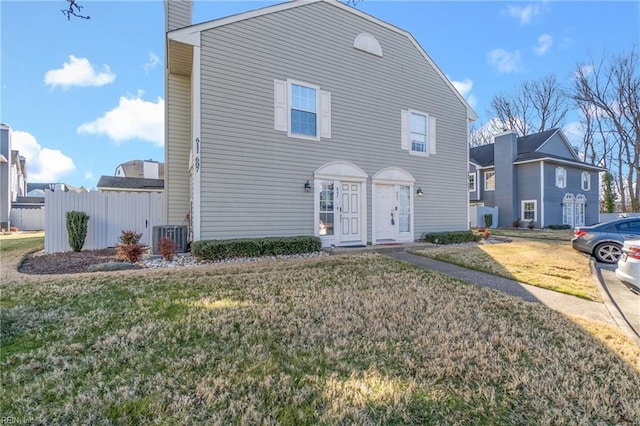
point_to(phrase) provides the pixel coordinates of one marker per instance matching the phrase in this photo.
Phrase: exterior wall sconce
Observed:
(419, 192)
(307, 186)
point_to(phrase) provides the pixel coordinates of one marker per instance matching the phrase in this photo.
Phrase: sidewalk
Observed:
(566, 304)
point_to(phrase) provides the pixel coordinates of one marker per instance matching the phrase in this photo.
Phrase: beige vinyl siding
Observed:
(253, 176)
(177, 13)
(177, 148)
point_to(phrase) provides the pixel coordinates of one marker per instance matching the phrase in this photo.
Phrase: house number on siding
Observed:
(197, 159)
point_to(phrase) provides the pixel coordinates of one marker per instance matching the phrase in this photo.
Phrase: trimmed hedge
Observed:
(254, 247)
(452, 237)
(559, 227)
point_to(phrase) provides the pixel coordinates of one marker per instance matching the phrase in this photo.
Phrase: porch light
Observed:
(307, 186)
(419, 192)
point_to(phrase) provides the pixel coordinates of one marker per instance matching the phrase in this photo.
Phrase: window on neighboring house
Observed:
(489, 181)
(586, 181)
(418, 133)
(561, 177)
(302, 110)
(472, 181)
(529, 210)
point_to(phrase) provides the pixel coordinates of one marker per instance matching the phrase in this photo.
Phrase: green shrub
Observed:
(130, 237)
(254, 247)
(454, 237)
(556, 227)
(77, 229)
(488, 220)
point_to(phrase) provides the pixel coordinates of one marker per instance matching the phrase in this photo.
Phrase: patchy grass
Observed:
(334, 340)
(549, 264)
(535, 234)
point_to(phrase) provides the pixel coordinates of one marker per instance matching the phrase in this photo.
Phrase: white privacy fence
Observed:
(476, 216)
(27, 218)
(110, 213)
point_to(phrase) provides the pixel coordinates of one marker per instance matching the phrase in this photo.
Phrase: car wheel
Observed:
(608, 252)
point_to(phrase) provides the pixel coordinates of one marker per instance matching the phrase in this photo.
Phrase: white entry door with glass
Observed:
(340, 211)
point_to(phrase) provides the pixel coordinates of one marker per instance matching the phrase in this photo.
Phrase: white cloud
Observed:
(89, 176)
(43, 164)
(133, 118)
(505, 62)
(78, 72)
(464, 87)
(545, 41)
(154, 60)
(524, 14)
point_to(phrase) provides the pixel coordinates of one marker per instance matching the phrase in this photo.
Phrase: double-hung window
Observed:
(586, 181)
(472, 182)
(561, 177)
(489, 181)
(529, 210)
(418, 133)
(302, 110)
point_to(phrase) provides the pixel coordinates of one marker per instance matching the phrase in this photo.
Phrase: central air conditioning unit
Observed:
(176, 233)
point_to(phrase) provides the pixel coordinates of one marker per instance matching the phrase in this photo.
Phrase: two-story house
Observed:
(13, 176)
(310, 118)
(538, 178)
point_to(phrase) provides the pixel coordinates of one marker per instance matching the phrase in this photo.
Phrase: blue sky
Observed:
(84, 96)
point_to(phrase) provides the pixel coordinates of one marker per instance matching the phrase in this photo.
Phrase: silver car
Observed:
(604, 241)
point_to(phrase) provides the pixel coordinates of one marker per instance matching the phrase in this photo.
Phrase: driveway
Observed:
(625, 298)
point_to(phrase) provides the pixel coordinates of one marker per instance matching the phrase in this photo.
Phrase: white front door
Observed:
(350, 212)
(385, 213)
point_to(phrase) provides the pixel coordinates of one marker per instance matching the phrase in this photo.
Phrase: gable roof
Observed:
(529, 150)
(114, 183)
(191, 34)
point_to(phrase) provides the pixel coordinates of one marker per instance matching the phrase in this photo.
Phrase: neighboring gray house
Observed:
(537, 178)
(13, 176)
(147, 169)
(310, 118)
(115, 183)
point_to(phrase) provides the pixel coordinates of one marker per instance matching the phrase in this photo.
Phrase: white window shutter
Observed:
(406, 129)
(280, 105)
(325, 114)
(432, 135)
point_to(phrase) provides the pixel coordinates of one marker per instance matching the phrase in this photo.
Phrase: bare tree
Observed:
(535, 106)
(610, 92)
(74, 9)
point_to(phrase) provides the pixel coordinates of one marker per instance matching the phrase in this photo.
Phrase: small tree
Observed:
(609, 196)
(77, 229)
(488, 220)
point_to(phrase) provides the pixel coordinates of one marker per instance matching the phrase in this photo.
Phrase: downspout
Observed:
(197, 145)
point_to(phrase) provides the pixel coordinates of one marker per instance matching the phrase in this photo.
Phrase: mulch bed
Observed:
(65, 263)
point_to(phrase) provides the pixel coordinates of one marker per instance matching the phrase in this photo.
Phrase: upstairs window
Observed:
(561, 177)
(586, 181)
(302, 110)
(489, 181)
(418, 133)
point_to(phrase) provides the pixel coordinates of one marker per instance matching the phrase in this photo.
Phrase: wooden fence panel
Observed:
(110, 213)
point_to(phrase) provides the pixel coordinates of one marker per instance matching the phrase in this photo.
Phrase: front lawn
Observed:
(332, 340)
(547, 263)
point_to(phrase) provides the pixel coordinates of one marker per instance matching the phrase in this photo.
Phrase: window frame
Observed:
(535, 210)
(472, 175)
(586, 175)
(486, 178)
(290, 133)
(424, 153)
(561, 171)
